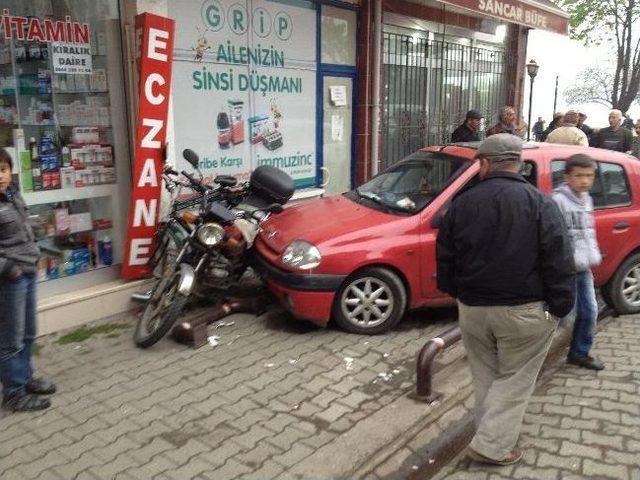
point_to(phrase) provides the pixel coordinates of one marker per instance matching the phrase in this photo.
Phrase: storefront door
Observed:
(337, 138)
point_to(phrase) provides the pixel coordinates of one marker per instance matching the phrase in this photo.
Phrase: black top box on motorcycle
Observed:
(271, 184)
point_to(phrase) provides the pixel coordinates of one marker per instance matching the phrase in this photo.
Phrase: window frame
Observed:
(600, 176)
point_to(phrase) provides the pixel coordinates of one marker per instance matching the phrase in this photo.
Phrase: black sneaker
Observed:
(585, 362)
(25, 402)
(40, 386)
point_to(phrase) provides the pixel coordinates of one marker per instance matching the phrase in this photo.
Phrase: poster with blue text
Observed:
(244, 85)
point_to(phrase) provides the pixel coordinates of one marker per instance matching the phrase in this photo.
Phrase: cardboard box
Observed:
(67, 177)
(62, 222)
(26, 180)
(80, 222)
(25, 161)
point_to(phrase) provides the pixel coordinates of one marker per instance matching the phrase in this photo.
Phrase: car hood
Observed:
(320, 221)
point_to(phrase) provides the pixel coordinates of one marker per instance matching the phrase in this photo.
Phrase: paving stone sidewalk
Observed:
(275, 399)
(580, 424)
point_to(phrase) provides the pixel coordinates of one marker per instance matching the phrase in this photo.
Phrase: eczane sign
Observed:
(155, 37)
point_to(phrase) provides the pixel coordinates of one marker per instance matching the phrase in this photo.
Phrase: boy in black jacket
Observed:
(18, 256)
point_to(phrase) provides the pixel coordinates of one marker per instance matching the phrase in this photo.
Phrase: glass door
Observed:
(337, 133)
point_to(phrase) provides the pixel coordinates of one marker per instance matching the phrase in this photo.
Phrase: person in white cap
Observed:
(504, 253)
(569, 133)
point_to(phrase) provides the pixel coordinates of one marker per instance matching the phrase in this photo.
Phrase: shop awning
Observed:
(540, 14)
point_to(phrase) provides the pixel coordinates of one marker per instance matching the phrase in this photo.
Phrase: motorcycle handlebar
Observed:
(197, 184)
(169, 170)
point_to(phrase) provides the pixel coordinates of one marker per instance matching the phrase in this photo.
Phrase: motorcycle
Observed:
(204, 254)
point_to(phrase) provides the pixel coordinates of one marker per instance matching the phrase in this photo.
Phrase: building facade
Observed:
(331, 92)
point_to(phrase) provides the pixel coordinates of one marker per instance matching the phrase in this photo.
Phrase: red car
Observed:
(363, 258)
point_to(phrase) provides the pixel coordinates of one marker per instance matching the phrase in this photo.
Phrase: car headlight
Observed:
(210, 234)
(302, 255)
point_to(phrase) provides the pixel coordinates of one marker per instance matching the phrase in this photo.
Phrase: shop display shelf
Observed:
(68, 194)
(99, 125)
(80, 232)
(30, 124)
(34, 124)
(80, 92)
(34, 94)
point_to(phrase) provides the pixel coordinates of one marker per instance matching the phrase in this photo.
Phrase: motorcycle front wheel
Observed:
(161, 312)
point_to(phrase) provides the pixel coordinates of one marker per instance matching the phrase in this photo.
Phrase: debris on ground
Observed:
(269, 365)
(223, 324)
(348, 363)
(214, 340)
(384, 376)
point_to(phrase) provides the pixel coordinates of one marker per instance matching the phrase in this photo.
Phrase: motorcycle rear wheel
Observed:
(160, 313)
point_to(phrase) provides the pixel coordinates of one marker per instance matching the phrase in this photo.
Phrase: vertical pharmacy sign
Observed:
(154, 37)
(244, 86)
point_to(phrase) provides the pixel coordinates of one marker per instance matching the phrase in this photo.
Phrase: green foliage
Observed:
(83, 333)
(593, 21)
(611, 23)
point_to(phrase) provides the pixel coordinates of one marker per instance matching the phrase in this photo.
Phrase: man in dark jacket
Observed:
(468, 131)
(558, 117)
(538, 129)
(588, 131)
(615, 136)
(503, 251)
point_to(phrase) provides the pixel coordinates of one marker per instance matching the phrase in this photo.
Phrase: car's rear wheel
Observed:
(623, 291)
(371, 301)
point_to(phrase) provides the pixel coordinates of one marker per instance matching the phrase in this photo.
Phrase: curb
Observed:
(425, 460)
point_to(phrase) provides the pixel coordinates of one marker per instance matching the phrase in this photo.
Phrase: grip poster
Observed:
(244, 86)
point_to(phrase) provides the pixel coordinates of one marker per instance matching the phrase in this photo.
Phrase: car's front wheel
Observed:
(623, 291)
(371, 301)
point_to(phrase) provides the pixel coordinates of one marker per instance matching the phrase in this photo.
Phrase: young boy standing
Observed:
(19, 253)
(576, 206)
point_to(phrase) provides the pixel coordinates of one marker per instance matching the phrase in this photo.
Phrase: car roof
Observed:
(468, 149)
(475, 145)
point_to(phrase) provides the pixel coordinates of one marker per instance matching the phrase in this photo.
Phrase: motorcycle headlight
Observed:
(210, 234)
(302, 255)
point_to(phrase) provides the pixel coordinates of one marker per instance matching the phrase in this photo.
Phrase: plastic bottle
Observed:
(66, 156)
(33, 148)
(105, 250)
(224, 130)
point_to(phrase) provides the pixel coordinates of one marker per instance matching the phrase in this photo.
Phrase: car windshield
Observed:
(412, 184)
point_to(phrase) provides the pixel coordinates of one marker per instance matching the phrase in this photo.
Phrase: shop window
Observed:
(63, 123)
(338, 36)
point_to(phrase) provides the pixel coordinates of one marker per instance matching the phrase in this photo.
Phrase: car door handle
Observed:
(621, 226)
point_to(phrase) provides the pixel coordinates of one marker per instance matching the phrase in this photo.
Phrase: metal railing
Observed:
(428, 86)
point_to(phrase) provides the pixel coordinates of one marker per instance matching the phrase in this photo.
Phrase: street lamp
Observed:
(532, 71)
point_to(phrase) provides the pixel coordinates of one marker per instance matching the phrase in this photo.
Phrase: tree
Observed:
(593, 84)
(611, 22)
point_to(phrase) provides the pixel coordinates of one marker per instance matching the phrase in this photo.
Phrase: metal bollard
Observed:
(424, 370)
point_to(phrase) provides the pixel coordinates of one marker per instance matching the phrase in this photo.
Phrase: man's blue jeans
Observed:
(17, 332)
(586, 313)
